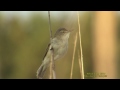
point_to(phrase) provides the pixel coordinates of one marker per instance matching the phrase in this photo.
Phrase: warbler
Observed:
(59, 43)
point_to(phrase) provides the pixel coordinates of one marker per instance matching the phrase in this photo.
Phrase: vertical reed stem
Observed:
(73, 56)
(52, 64)
(82, 74)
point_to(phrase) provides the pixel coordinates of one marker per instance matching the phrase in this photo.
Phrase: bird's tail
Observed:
(41, 70)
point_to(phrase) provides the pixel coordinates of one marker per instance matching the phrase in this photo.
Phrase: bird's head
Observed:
(62, 33)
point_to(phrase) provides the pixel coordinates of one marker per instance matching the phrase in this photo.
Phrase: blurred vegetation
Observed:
(23, 45)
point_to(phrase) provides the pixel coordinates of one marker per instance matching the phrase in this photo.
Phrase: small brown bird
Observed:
(60, 46)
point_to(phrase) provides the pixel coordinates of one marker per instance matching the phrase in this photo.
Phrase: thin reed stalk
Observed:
(81, 64)
(73, 56)
(52, 64)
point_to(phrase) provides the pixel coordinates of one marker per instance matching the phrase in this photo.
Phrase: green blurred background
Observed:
(23, 42)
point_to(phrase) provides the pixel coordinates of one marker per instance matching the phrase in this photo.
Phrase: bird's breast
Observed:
(60, 48)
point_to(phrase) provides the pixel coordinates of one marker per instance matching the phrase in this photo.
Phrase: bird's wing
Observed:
(46, 50)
